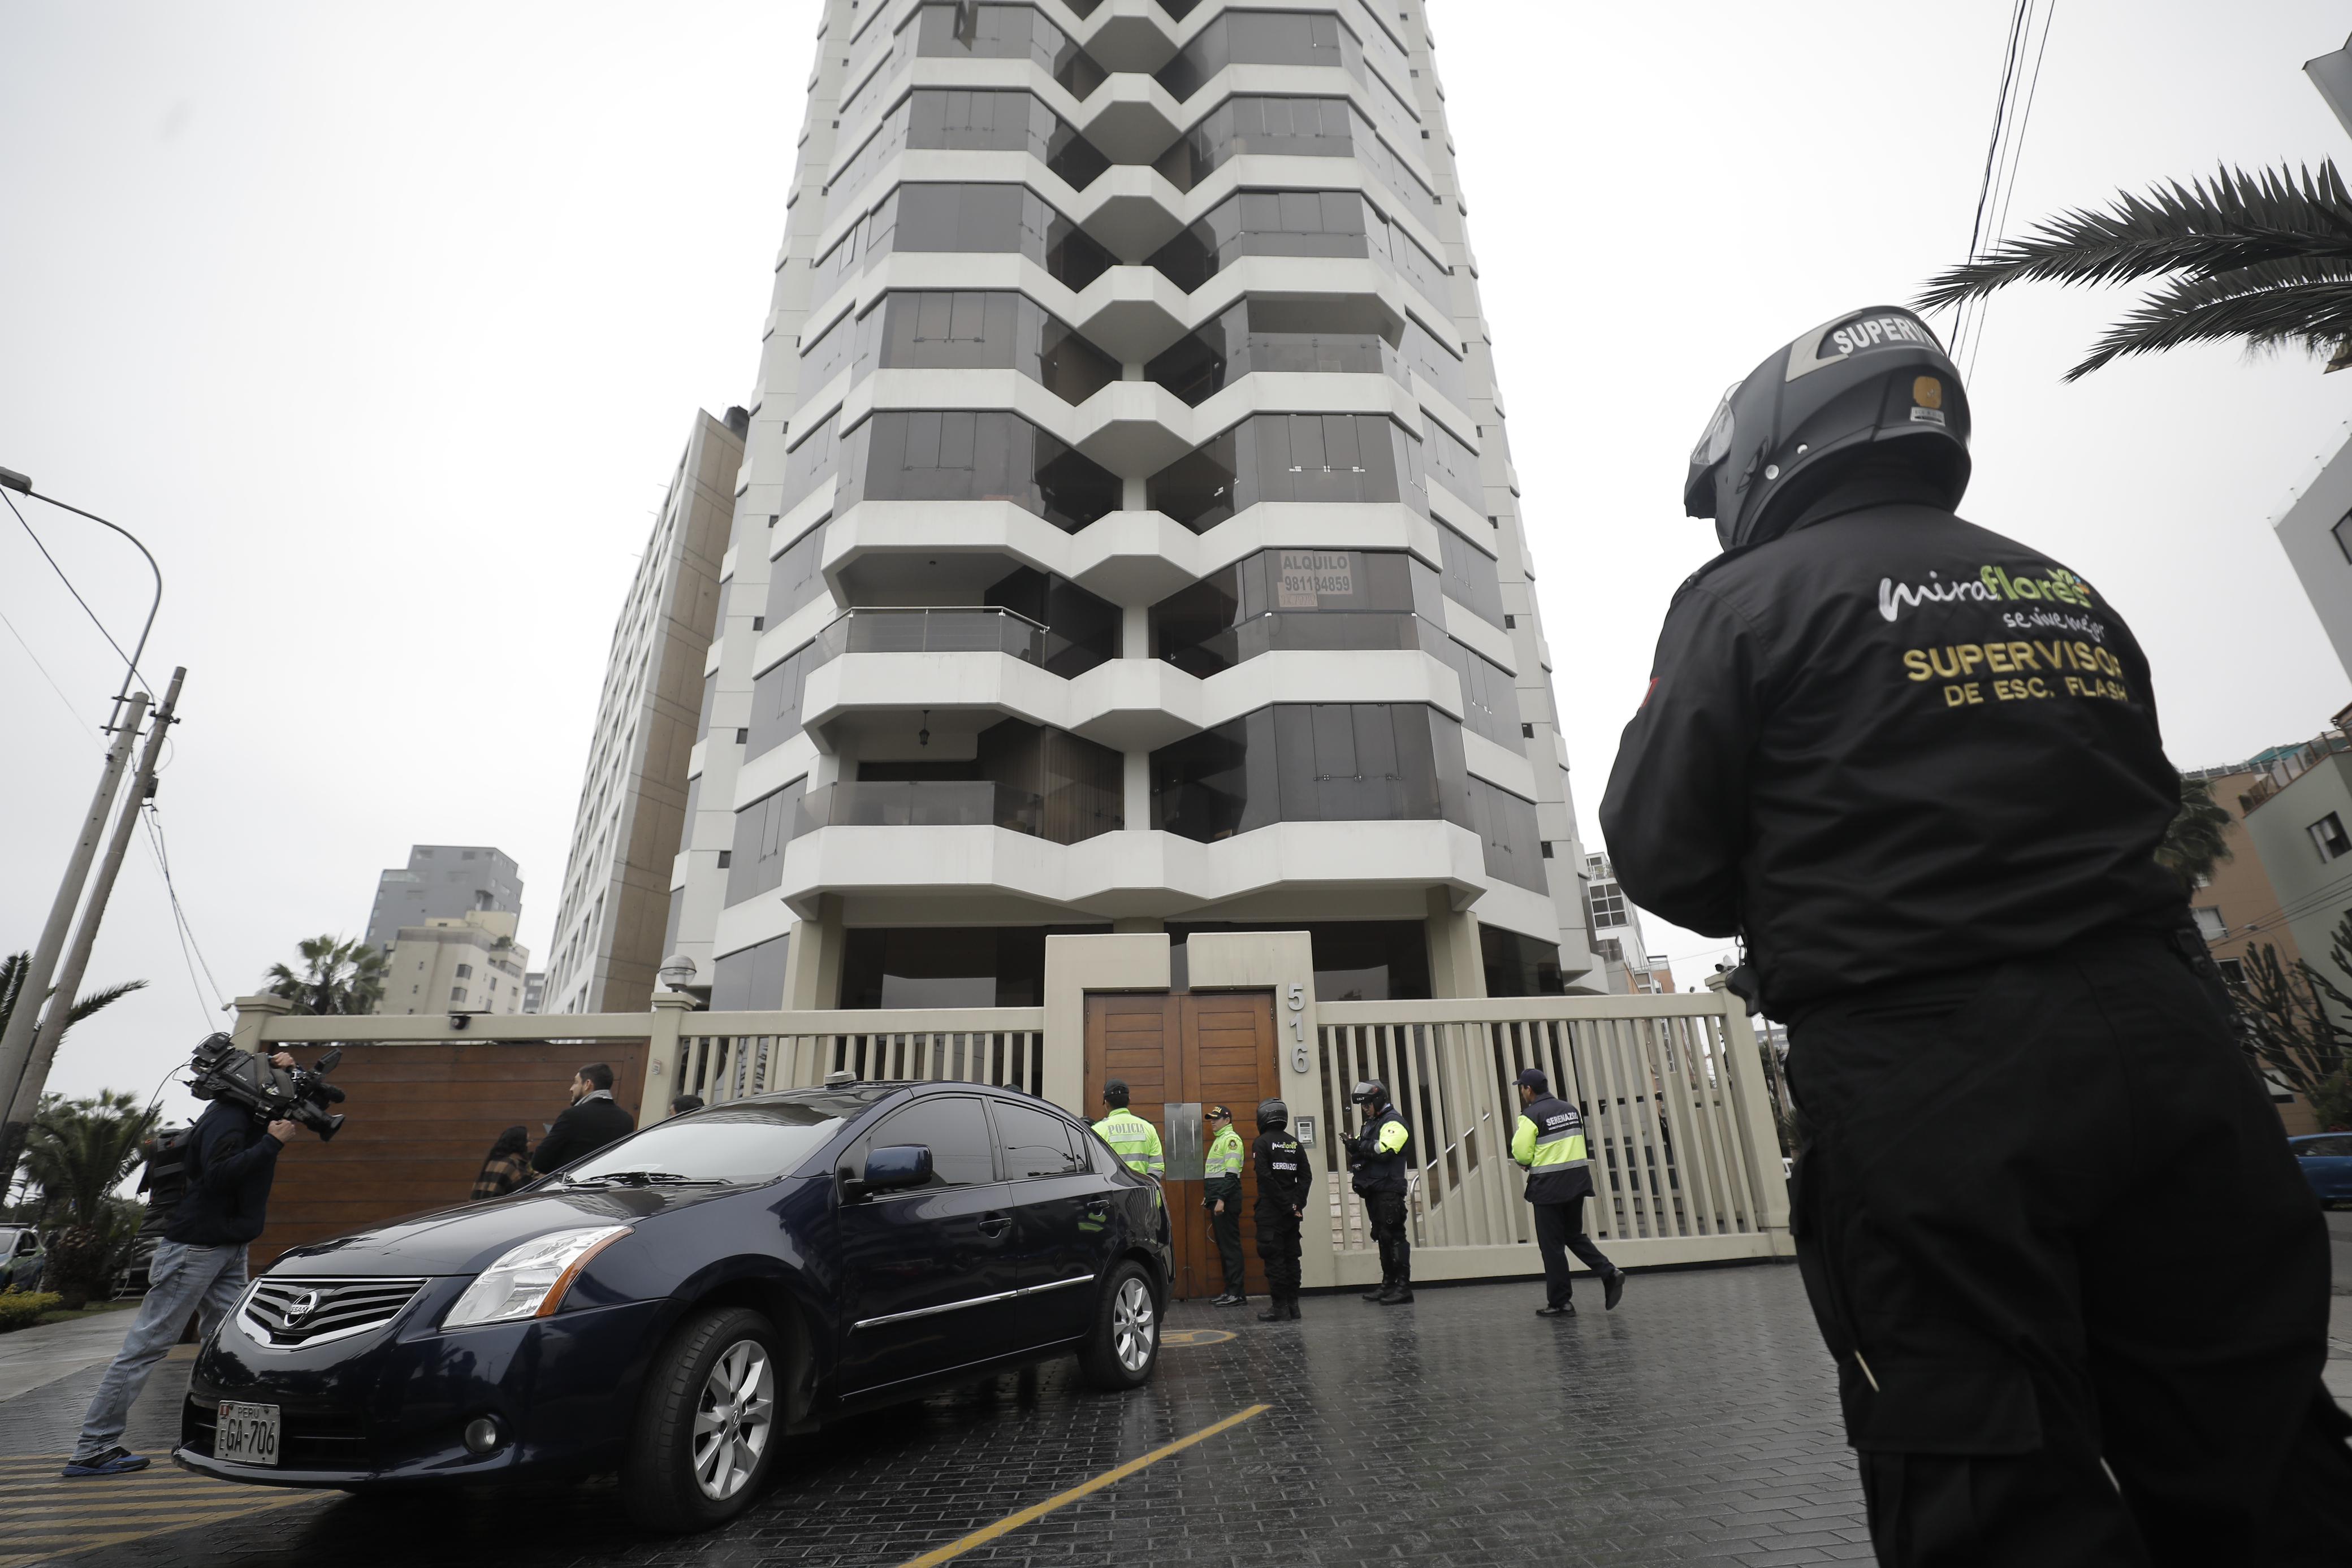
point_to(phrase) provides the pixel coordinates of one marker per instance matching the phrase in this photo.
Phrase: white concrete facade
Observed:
(1389, 339)
(614, 915)
(468, 964)
(2316, 531)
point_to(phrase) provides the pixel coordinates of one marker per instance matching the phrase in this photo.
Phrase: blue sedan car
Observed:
(669, 1305)
(2326, 1162)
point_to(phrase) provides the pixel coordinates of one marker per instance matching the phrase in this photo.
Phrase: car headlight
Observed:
(529, 1280)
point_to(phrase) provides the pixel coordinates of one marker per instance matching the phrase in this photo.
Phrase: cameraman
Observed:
(231, 1156)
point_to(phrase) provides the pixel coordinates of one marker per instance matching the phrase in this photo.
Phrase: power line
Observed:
(2015, 157)
(77, 599)
(1992, 149)
(45, 672)
(191, 952)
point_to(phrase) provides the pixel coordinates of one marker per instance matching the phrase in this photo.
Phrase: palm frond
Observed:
(2316, 316)
(2233, 221)
(95, 1001)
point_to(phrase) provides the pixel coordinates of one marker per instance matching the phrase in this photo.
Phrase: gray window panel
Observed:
(762, 829)
(1259, 335)
(1451, 464)
(1519, 965)
(752, 979)
(970, 31)
(962, 454)
(936, 329)
(776, 700)
(1266, 223)
(1288, 127)
(1506, 825)
(967, 120)
(1490, 698)
(793, 578)
(710, 700)
(1290, 457)
(807, 465)
(1265, 38)
(1470, 577)
(1436, 363)
(1343, 600)
(824, 359)
(985, 218)
(1312, 762)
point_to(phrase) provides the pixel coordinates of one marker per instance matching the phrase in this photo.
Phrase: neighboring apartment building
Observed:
(1128, 538)
(614, 920)
(440, 882)
(2236, 906)
(468, 963)
(2298, 814)
(534, 990)
(1627, 964)
(2316, 531)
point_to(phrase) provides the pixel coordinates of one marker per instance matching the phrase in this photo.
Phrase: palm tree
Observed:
(79, 1152)
(340, 975)
(2265, 259)
(16, 965)
(2192, 843)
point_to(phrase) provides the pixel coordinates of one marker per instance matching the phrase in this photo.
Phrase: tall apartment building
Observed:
(2316, 531)
(1128, 538)
(442, 882)
(1627, 966)
(614, 915)
(469, 962)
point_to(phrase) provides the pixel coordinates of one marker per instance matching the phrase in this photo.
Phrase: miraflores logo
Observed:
(1990, 585)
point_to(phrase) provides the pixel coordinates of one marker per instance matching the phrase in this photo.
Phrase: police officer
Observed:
(1548, 1141)
(1915, 766)
(1376, 1157)
(1131, 1137)
(1221, 1195)
(1283, 1181)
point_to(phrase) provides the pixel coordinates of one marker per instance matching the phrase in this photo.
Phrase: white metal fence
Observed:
(1677, 1121)
(725, 1056)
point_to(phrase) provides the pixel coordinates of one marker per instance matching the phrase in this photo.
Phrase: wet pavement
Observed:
(1698, 1423)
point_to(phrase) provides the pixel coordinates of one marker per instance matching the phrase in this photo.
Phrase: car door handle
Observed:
(995, 1223)
(1097, 1206)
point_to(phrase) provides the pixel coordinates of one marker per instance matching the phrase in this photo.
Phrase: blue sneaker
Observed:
(116, 1461)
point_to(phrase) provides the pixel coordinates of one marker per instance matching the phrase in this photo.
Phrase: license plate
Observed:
(248, 1434)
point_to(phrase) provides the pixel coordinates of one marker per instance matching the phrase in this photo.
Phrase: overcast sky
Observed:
(384, 325)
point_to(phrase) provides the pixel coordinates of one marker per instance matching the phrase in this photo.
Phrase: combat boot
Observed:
(1398, 1294)
(1377, 1291)
(1292, 1303)
(1274, 1312)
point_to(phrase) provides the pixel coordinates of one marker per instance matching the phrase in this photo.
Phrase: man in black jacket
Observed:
(1916, 766)
(1376, 1157)
(1285, 1179)
(594, 1120)
(1547, 1142)
(228, 1160)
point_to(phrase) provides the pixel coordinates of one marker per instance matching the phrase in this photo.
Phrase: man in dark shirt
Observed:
(1285, 1181)
(1914, 765)
(594, 1120)
(229, 1162)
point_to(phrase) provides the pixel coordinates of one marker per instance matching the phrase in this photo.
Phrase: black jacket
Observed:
(1890, 743)
(1284, 1177)
(229, 1161)
(1555, 1184)
(587, 1127)
(1376, 1171)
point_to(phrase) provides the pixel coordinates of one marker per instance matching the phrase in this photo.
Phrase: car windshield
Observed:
(739, 1145)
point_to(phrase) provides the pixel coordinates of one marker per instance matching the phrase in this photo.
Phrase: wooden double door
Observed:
(1180, 1054)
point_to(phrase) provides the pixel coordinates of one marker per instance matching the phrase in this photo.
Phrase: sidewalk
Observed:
(32, 1357)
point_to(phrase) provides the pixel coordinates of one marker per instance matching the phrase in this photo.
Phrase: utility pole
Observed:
(16, 1041)
(28, 1101)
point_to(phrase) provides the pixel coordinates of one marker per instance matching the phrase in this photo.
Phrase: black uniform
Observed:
(1379, 1177)
(1917, 766)
(1283, 1181)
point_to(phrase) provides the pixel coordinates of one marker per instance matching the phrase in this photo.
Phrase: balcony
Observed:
(978, 629)
(922, 803)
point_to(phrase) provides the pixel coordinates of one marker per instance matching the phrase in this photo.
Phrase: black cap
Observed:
(1114, 1091)
(1217, 1114)
(1533, 1078)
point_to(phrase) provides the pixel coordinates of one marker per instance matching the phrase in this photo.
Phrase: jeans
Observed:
(1560, 1230)
(201, 1279)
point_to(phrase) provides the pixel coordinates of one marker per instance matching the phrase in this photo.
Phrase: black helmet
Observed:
(1114, 1091)
(1271, 1114)
(1870, 382)
(1370, 1091)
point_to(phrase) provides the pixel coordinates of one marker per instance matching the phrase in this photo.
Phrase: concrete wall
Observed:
(2305, 531)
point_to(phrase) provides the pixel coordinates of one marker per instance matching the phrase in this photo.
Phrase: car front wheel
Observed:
(706, 1432)
(1122, 1345)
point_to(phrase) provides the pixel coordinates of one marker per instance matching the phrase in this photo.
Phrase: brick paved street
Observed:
(1697, 1423)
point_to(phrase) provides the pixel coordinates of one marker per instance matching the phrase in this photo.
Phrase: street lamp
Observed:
(12, 480)
(676, 972)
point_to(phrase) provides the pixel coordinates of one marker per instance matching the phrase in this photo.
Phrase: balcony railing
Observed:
(974, 629)
(920, 803)
(2285, 770)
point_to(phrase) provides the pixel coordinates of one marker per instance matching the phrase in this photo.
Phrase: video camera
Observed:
(221, 1072)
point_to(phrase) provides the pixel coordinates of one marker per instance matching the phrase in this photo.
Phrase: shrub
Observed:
(21, 1310)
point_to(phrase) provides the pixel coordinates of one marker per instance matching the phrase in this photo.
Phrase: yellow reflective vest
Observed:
(1549, 1142)
(1133, 1140)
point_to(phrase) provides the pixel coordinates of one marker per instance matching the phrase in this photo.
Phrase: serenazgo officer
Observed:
(1283, 1182)
(1221, 1195)
(1548, 1141)
(1915, 766)
(1376, 1157)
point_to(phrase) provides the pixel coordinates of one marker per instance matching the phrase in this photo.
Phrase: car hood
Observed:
(467, 1239)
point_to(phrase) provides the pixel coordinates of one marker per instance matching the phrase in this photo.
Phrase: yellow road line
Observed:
(68, 1509)
(66, 1537)
(1034, 1511)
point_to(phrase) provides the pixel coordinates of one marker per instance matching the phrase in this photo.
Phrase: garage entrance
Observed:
(1178, 1054)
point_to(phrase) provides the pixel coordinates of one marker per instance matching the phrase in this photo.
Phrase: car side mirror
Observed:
(890, 1167)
